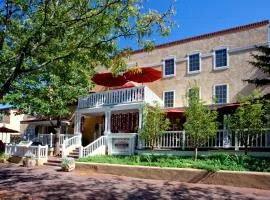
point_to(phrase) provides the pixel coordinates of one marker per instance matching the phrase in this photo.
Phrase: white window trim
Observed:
(214, 92)
(200, 61)
(173, 98)
(163, 68)
(214, 58)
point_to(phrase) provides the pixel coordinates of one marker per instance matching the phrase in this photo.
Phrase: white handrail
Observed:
(89, 149)
(69, 143)
(38, 151)
(119, 96)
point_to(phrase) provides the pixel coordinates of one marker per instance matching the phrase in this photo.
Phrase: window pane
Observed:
(221, 58)
(221, 93)
(194, 62)
(169, 67)
(168, 99)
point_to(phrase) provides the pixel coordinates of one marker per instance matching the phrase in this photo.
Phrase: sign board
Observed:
(121, 143)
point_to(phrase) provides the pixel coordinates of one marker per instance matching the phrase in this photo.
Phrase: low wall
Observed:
(238, 179)
(19, 160)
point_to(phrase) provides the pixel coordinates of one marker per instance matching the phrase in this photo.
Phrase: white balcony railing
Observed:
(120, 96)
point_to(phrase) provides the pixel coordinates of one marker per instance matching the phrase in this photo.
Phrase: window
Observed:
(194, 63)
(169, 67)
(169, 99)
(221, 94)
(221, 59)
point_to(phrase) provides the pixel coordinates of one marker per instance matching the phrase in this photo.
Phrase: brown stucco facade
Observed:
(240, 43)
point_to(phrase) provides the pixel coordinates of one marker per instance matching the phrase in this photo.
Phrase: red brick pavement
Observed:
(48, 183)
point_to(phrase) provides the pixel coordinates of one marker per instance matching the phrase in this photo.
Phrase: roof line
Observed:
(208, 35)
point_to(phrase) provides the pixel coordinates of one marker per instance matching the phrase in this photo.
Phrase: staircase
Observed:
(74, 154)
(97, 147)
(53, 161)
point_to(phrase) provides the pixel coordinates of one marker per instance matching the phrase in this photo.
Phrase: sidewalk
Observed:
(47, 183)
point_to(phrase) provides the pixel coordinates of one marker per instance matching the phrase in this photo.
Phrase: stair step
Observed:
(53, 164)
(73, 156)
(54, 161)
(74, 153)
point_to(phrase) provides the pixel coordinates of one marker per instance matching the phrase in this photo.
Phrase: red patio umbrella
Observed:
(109, 80)
(7, 130)
(143, 75)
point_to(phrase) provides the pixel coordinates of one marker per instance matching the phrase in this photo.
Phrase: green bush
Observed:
(213, 162)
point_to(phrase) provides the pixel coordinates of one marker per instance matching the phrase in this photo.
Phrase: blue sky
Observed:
(196, 17)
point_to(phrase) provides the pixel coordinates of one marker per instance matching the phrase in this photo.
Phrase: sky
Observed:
(196, 17)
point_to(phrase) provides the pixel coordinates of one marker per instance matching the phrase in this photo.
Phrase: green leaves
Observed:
(248, 119)
(49, 50)
(155, 123)
(201, 122)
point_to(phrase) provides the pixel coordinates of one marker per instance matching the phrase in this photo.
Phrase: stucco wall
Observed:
(14, 120)
(89, 127)
(239, 67)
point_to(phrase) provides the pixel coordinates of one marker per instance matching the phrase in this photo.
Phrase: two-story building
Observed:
(217, 62)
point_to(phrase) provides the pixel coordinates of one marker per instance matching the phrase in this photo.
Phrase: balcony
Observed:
(141, 94)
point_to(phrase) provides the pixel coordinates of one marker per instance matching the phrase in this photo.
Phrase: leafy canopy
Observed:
(50, 49)
(248, 118)
(155, 123)
(200, 121)
(262, 62)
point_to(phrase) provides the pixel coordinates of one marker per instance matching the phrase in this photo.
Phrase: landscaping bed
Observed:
(214, 162)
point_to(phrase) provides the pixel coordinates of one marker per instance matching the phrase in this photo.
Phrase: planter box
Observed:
(29, 162)
(68, 168)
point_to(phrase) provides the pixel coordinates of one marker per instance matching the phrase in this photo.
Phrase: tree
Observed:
(36, 35)
(200, 120)
(261, 61)
(155, 123)
(248, 118)
(50, 49)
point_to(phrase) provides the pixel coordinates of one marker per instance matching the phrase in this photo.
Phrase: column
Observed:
(77, 123)
(140, 118)
(139, 142)
(108, 114)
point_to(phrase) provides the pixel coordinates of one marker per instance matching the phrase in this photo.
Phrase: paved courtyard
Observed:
(48, 183)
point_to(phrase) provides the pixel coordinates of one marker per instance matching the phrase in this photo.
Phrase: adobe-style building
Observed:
(217, 62)
(10, 118)
(108, 120)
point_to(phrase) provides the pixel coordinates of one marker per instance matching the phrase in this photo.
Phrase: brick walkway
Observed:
(47, 183)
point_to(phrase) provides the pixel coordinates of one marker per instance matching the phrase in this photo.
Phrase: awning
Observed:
(174, 110)
(228, 105)
(4, 129)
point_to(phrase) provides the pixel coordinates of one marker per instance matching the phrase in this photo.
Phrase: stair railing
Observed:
(89, 149)
(70, 143)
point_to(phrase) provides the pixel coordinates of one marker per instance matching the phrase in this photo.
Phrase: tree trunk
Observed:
(246, 146)
(196, 153)
(57, 138)
(246, 149)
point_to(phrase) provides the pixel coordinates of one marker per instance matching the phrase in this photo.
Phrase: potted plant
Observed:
(29, 160)
(3, 157)
(68, 164)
